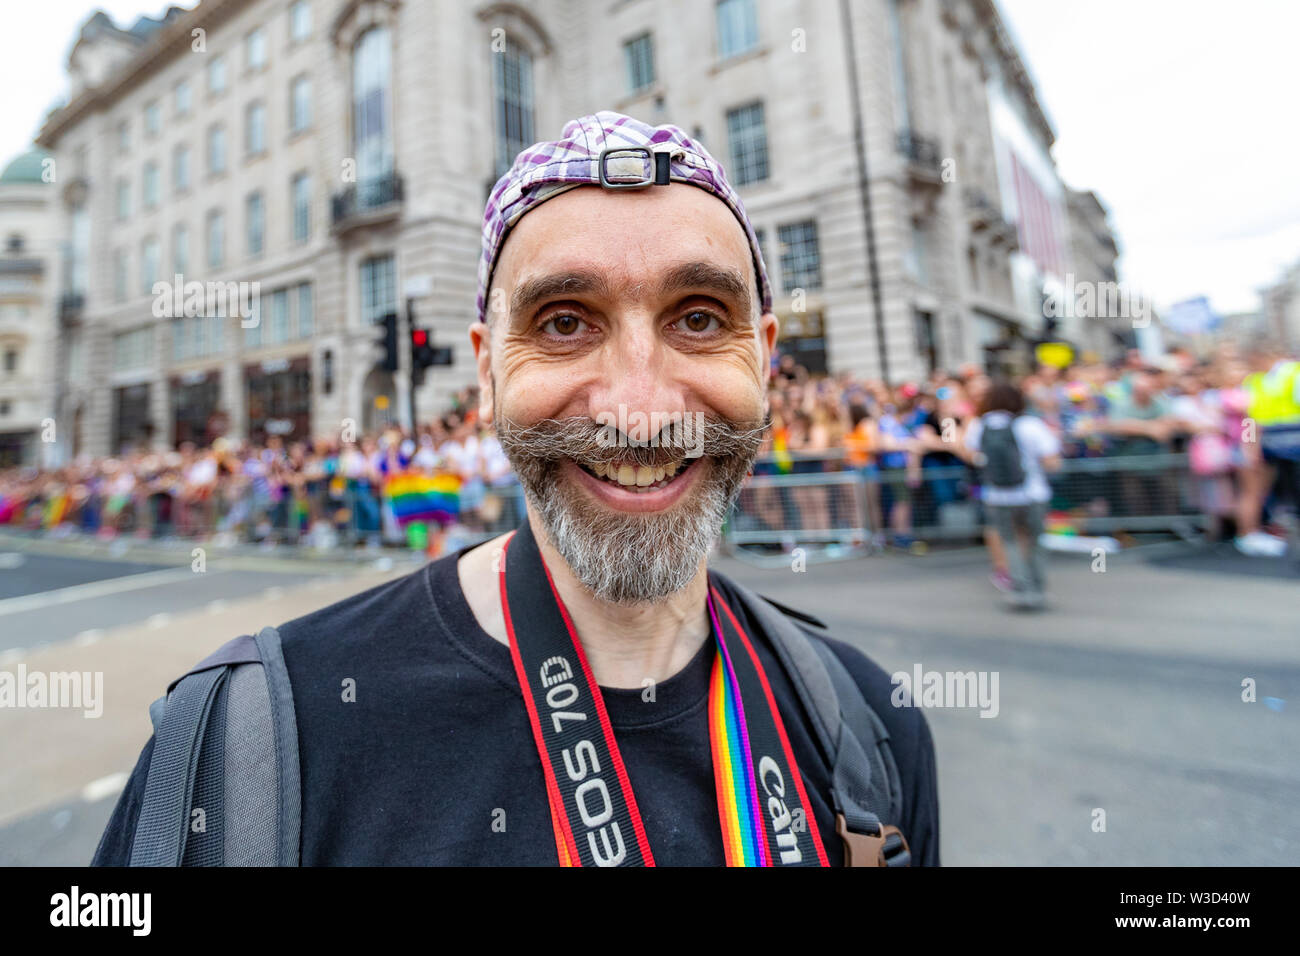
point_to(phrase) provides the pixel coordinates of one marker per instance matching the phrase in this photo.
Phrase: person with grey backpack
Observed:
(1014, 452)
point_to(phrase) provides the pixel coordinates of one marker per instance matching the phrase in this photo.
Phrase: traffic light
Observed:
(388, 342)
(421, 349)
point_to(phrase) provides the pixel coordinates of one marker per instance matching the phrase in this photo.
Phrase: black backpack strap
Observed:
(865, 788)
(225, 743)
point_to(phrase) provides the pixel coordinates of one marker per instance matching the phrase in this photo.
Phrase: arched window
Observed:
(372, 138)
(512, 70)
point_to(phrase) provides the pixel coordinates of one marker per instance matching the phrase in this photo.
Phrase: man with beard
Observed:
(583, 691)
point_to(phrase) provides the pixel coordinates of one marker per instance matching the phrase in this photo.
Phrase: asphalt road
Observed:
(1125, 697)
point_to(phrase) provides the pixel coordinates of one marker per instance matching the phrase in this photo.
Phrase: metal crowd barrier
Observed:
(836, 513)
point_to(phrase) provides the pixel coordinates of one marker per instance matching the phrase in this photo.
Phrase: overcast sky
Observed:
(1180, 114)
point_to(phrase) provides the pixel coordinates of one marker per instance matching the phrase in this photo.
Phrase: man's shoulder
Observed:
(907, 726)
(358, 618)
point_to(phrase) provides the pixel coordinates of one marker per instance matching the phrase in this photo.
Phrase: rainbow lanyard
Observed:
(762, 804)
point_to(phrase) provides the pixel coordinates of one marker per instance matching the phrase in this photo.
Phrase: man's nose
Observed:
(638, 374)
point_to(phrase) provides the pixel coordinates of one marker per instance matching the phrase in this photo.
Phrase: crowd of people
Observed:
(330, 490)
(912, 439)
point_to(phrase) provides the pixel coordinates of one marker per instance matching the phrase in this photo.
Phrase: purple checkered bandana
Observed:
(613, 151)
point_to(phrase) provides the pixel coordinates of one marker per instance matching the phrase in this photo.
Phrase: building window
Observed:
(299, 21)
(255, 50)
(747, 137)
(216, 149)
(183, 99)
(639, 54)
(801, 261)
(255, 128)
(278, 331)
(181, 168)
(217, 75)
(216, 239)
(133, 350)
(371, 135)
(152, 118)
(123, 200)
(180, 248)
(306, 312)
(513, 78)
(123, 137)
(119, 275)
(300, 104)
(150, 265)
(79, 250)
(378, 289)
(255, 221)
(760, 235)
(11, 361)
(149, 186)
(737, 27)
(253, 331)
(301, 196)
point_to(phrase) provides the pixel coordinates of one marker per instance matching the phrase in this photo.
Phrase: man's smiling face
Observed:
(614, 304)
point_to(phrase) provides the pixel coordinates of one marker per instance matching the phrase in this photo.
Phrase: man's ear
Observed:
(481, 338)
(768, 329)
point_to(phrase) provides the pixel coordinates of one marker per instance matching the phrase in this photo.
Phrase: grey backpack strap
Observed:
(165, 811)
(287, 793)
(864, 779)
(866, 776)
(225, 743)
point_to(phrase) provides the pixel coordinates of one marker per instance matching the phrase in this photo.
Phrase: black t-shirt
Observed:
(436, 753)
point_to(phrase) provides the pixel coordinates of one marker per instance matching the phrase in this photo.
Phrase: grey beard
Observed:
(629, 558)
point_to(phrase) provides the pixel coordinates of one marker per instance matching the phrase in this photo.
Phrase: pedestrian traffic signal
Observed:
(388, 343)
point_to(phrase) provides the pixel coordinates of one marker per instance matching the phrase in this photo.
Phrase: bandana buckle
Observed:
(634, 167)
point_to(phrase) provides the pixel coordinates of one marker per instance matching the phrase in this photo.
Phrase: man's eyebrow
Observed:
(726, 283)
(559, 284)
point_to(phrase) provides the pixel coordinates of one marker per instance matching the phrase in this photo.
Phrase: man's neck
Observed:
(625, 646)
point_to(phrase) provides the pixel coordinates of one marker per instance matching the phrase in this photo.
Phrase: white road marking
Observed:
(12, 559)
(94, 589)
(97, 790)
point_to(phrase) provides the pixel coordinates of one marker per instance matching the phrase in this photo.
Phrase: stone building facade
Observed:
(334, 156)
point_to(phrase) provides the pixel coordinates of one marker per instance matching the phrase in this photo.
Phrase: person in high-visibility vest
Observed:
(1271, 439)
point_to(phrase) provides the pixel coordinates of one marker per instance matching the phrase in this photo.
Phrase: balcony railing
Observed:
(71, 305)
(922, 153)
(366, 202)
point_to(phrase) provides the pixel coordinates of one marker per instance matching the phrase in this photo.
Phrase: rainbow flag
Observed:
(781, 451)
(55, 511)
(415, 496)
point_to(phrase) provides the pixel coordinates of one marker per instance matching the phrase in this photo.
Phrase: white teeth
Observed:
(659, 474)
(645, 476)
(626, 475)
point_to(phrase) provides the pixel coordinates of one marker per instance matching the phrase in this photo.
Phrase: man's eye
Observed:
(699, 322)
(562, 325)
